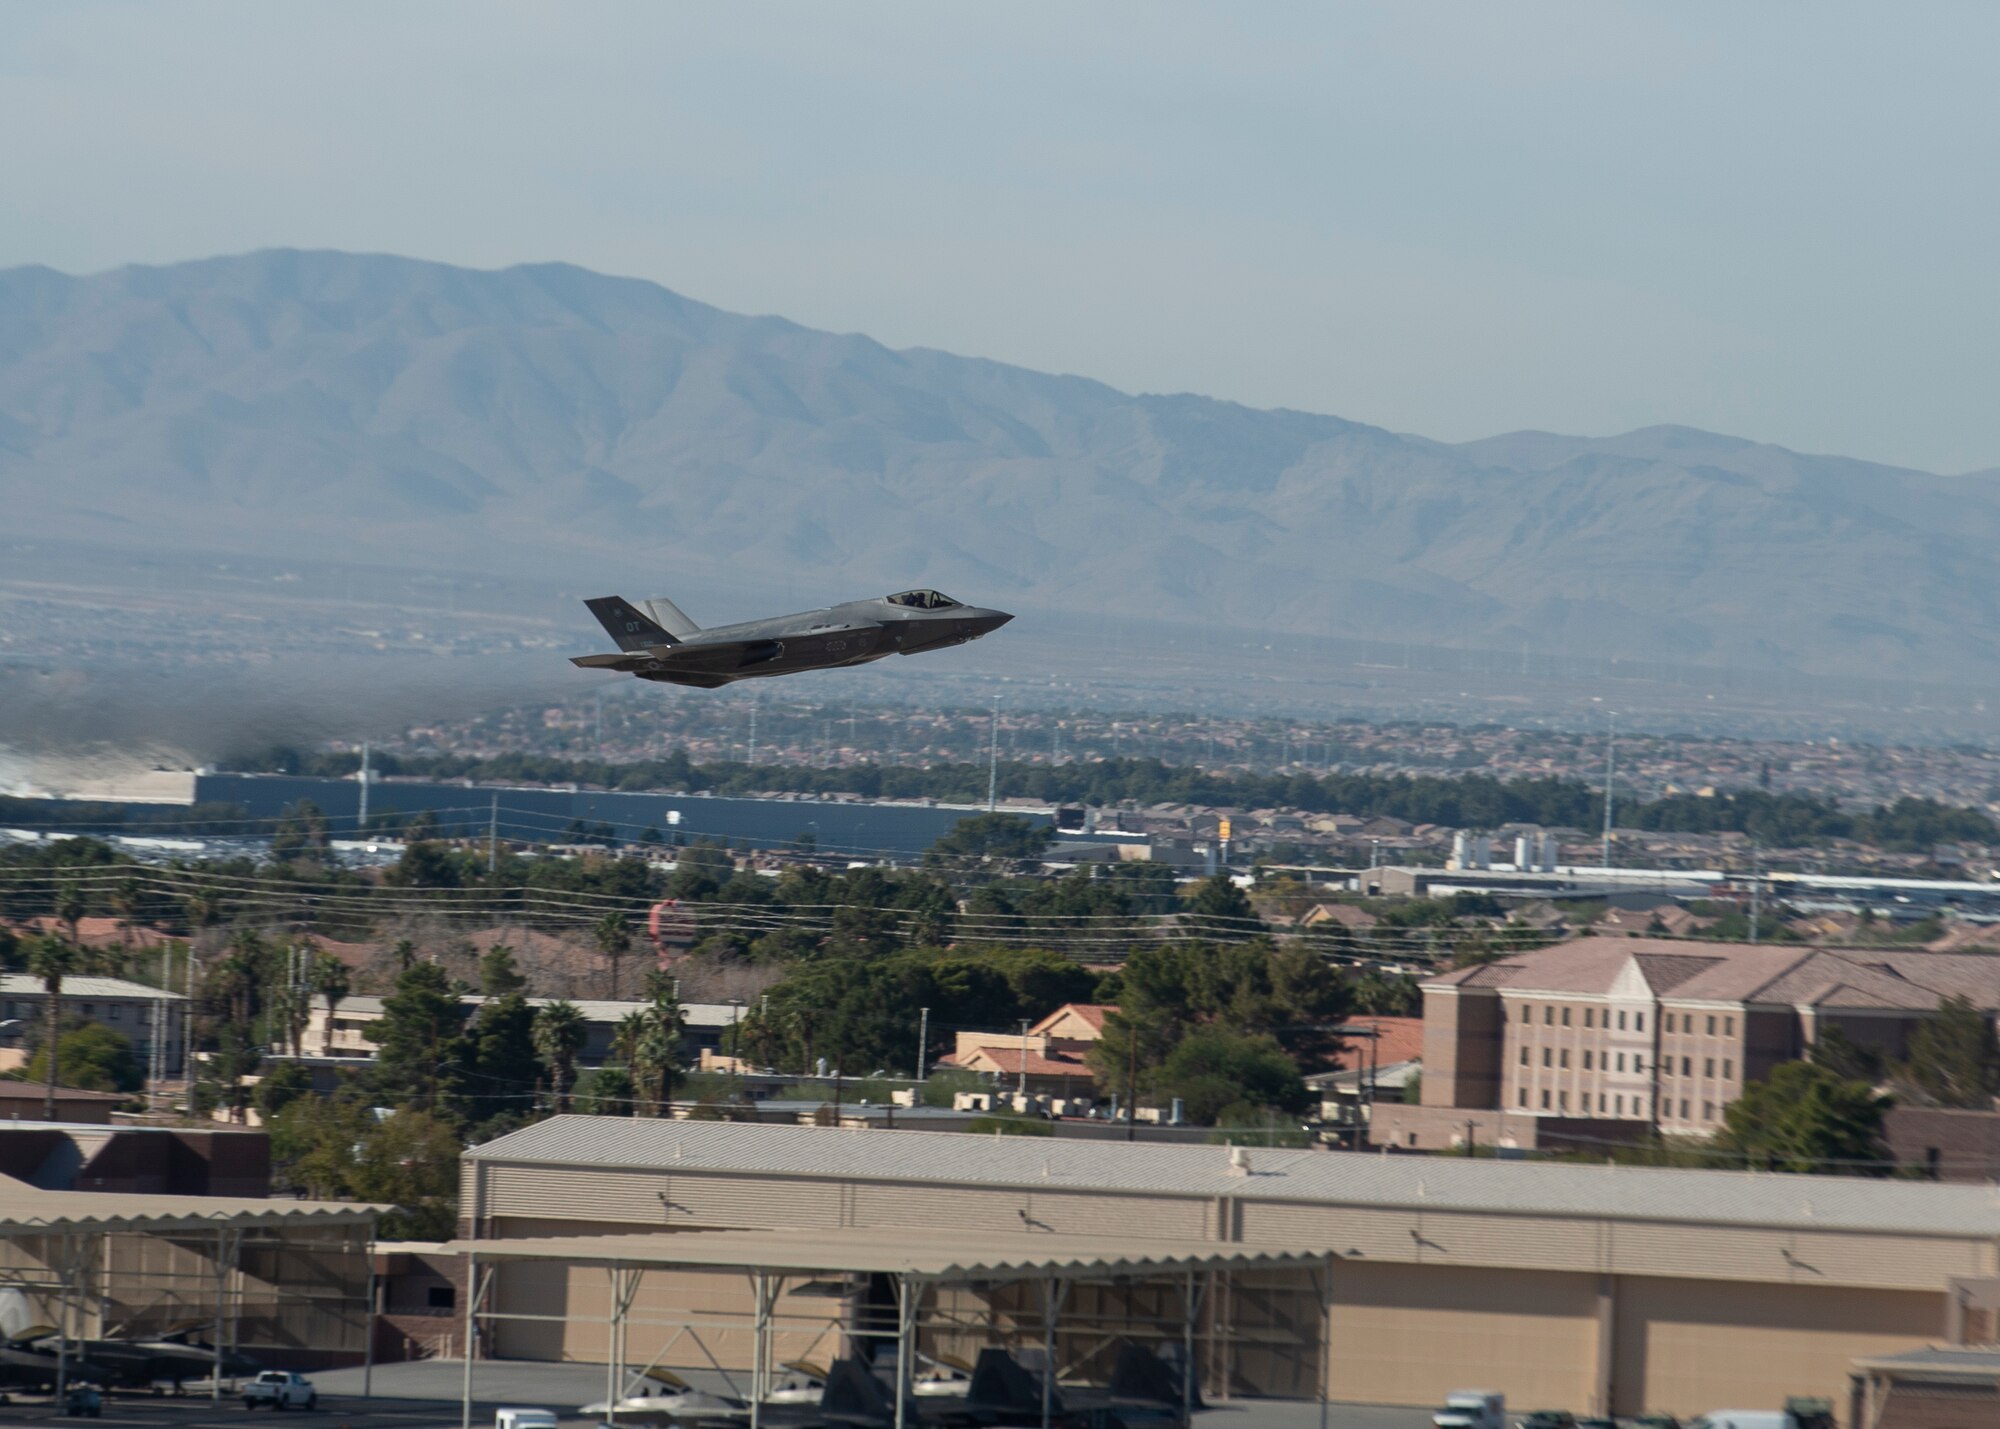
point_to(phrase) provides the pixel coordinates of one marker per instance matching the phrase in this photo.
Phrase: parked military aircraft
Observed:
(660, 643)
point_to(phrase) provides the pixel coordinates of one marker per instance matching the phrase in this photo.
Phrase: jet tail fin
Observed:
(631, 628)
(670, 619)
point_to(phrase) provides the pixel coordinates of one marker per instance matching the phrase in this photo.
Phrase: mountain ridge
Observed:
(366, 406)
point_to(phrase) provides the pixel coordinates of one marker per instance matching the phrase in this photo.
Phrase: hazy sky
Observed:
(1777, 220)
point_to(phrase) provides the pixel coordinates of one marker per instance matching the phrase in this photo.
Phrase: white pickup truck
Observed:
(280, 1389)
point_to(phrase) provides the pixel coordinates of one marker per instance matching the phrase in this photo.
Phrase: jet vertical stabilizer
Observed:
(670, 618)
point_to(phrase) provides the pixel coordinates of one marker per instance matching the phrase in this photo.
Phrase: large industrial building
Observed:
(1613, 1288)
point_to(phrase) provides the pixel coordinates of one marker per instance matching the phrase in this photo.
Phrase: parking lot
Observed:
(425, 1396)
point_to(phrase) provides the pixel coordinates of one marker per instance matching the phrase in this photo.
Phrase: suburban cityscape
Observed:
(797, 717)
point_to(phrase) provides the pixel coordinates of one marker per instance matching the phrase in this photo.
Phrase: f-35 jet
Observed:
(660, 643)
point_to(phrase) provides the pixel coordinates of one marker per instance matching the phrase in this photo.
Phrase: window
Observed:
(1621, 1021)
(1562, 1101)
(117, 1012)
(1565, 1017)
(1548, 1057)
(1687, 1066)
(922, 599)
(441, 1297)
(1708, 1066)
(1620, 1099)
(1565, 1056)
(1708, 1111)
(1600, 1101)
(1587, 1015)
(1545, 1098)
(1728, 1068)
(1586, 1059)
(1666, 1022)
(1524, 1056)
(1638, 1022)
(1549, 1015)
(1728, 1027)
(1527, 1012)
(1684, 1110)
(1711, 1024)
(90, 1009)
(1524, 1096)
(1621, 1061)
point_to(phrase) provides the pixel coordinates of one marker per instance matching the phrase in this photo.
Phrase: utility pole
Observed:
(1756, 891)
(493, 836)
(993, 762)
(1021, 1085)
(923, 1042)
(1132, 1084)
(1610, 764)
(361, 819)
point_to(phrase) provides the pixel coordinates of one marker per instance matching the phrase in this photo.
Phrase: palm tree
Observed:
(50, 959)
(559, 1034)
(330, 979)
(614, 940)
(70, 908)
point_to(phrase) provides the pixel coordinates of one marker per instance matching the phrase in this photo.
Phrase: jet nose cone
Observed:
(988, 621)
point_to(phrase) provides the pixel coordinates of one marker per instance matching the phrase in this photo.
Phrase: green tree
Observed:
(1834, 1050)
(302, 832)
(1218, 909)
(419, 1040)
(560, 1032)
(70, 908)
(1804, 1118)
(504, 1066)
(605, 1092)
(1954, 1059)
(614, 940)
(499, 973)
(315, 1143)
(1214, 1070)
(92, 1057)
(991, 843)
(332, 980)
(428, 864)
(411, 1161)
(278, 1088)
(51, 960)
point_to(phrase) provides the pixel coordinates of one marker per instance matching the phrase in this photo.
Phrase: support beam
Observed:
(1190, 1309)
(1054, 1293)
(475, 1290)
(903, 1297)
(215, 1333)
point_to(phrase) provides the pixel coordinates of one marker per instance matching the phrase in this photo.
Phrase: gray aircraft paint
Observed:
(661, 643)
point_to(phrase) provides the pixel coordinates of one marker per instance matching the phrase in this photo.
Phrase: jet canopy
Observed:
(923, 599)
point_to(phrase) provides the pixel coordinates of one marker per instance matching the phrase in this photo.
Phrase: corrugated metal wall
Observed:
(1685, 1347)
(1404, 1338)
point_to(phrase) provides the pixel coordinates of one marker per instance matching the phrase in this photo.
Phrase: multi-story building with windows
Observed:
(143, 1015)
(1663, 1034)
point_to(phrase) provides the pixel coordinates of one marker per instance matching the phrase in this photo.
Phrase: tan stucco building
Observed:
(1614, 1289)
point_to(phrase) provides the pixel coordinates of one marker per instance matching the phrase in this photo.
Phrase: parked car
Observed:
(280, 1389)
(1549, 1419)
(1472, 1409)
(83, 1402)
(524, 1419)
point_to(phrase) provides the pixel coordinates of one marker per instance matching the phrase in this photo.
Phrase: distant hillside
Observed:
(550, 419)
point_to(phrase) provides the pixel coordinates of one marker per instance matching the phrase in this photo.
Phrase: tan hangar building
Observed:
(1611, 1289)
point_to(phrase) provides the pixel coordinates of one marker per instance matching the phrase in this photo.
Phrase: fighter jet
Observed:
(660, 643)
